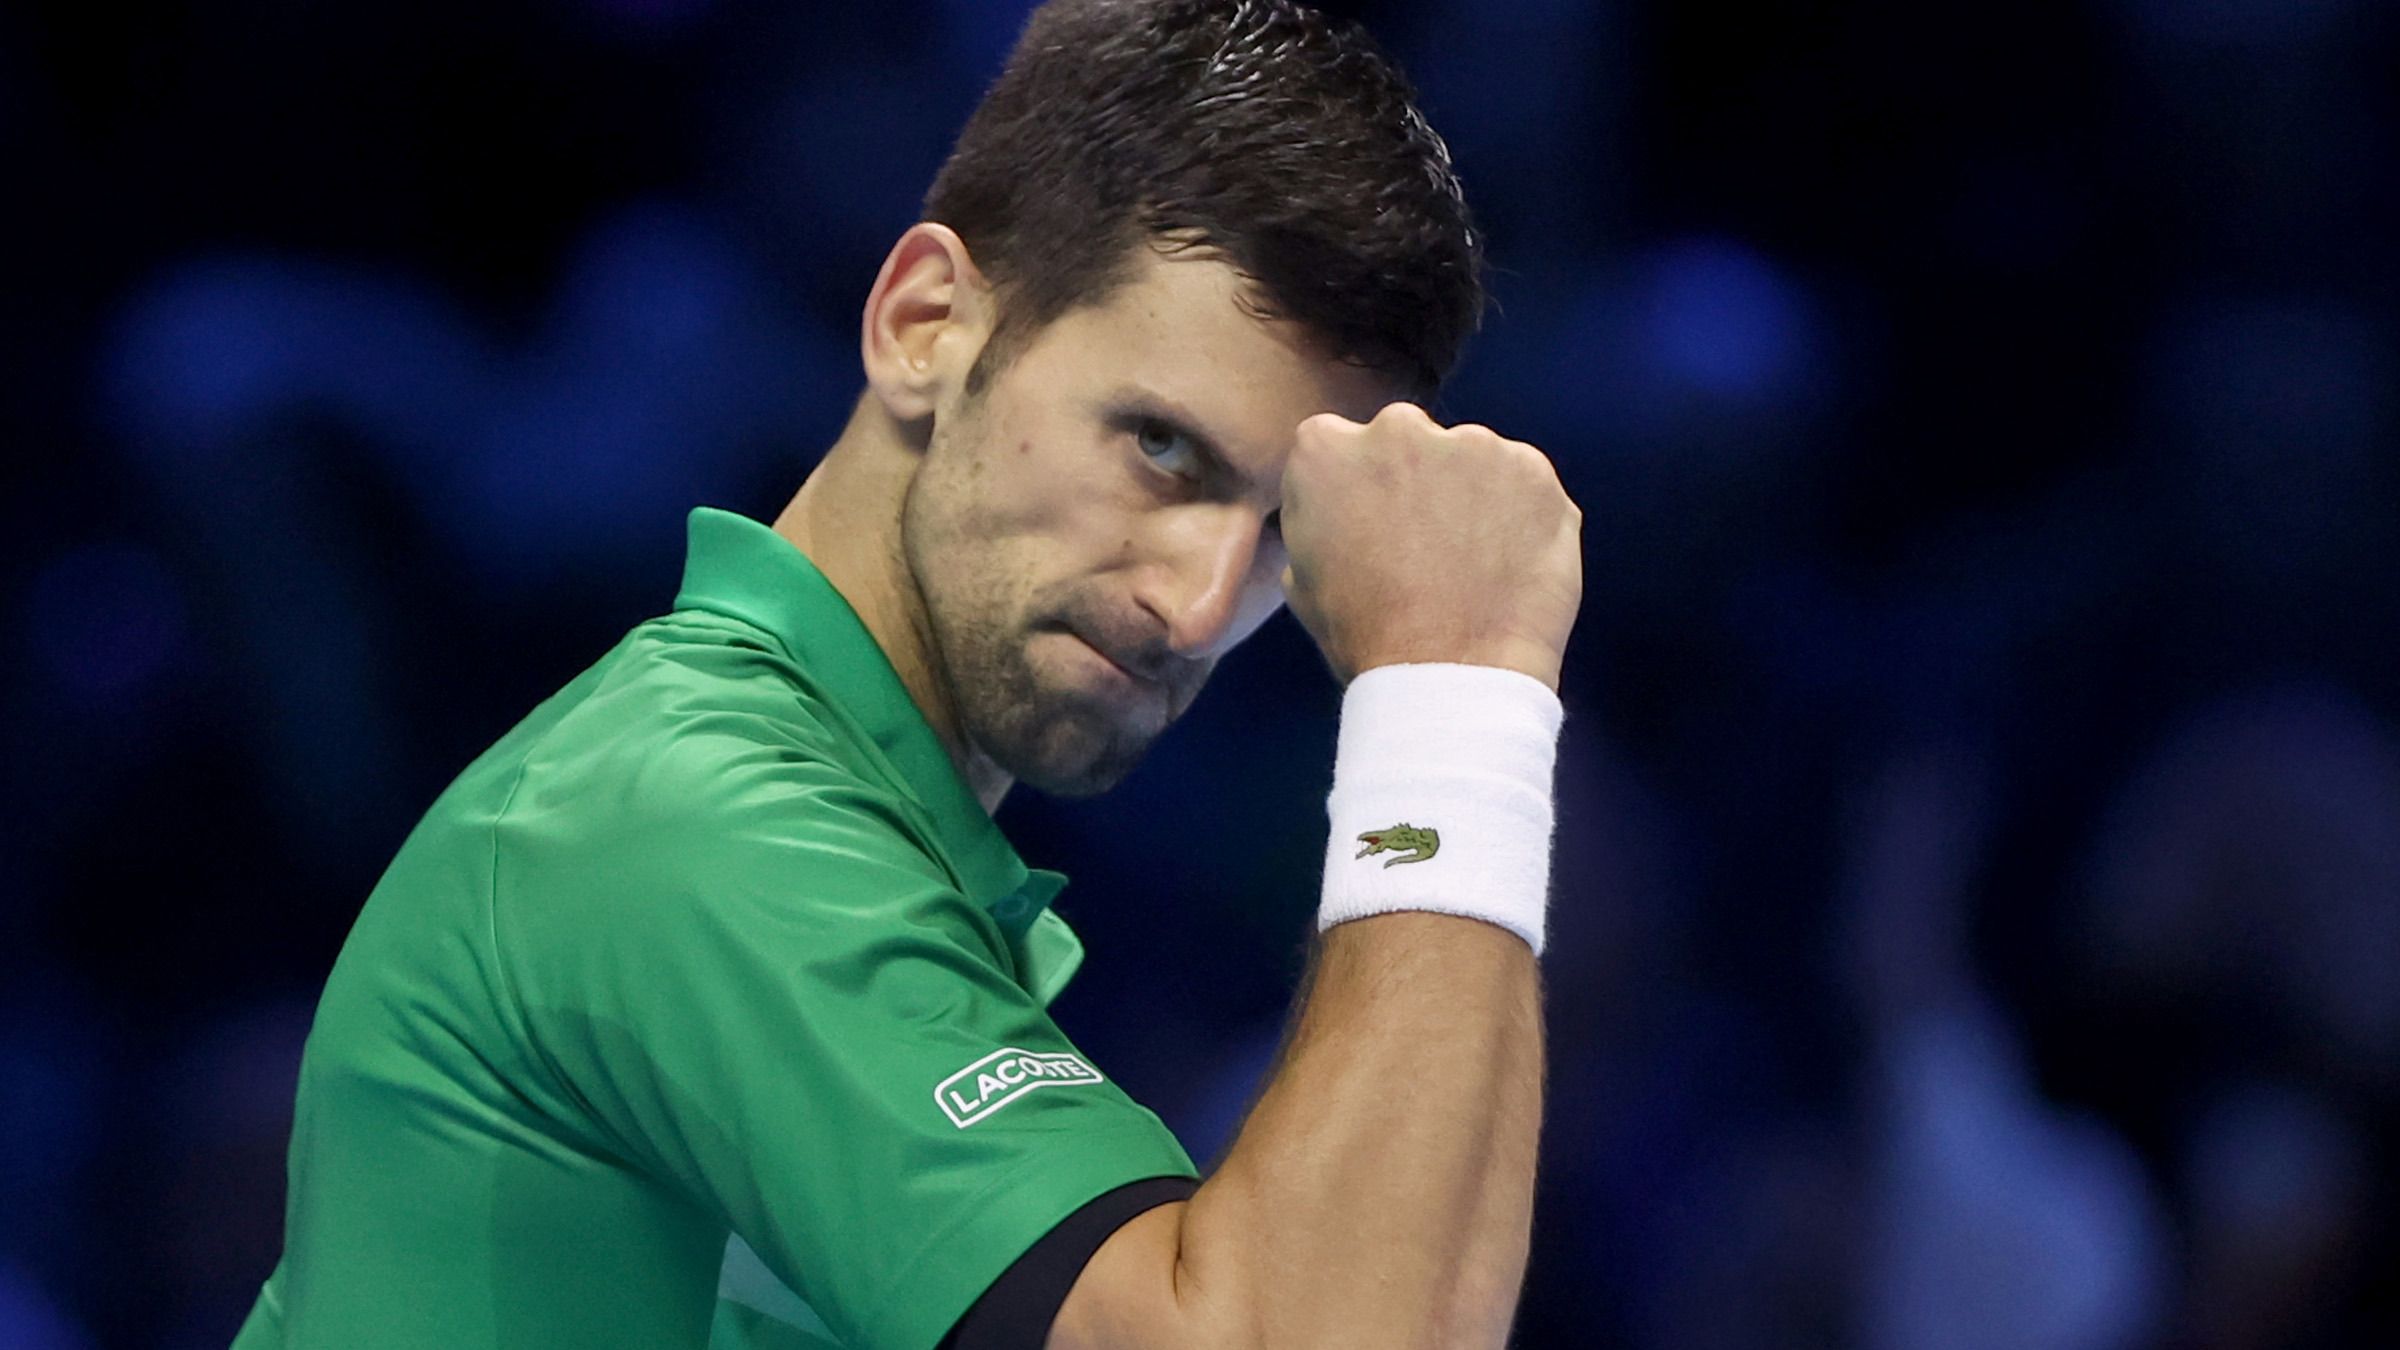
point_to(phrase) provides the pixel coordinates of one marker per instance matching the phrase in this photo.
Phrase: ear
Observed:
(925, 322)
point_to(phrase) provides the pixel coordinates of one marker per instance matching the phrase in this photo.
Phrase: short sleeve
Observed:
(779, 1004)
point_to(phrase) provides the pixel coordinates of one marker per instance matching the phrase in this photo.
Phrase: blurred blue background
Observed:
(1978, 906)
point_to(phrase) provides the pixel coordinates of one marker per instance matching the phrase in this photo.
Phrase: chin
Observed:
(1066, 756)
(1073, 788)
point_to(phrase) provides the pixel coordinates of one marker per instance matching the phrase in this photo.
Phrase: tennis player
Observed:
(707, 1006)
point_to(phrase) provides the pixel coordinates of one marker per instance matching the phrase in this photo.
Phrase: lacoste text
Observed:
(1003, 1076)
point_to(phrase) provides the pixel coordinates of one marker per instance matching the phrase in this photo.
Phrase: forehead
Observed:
(1185, 332)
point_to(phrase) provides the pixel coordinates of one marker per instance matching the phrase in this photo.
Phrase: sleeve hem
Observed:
(919, 1307)
(1021, 1306)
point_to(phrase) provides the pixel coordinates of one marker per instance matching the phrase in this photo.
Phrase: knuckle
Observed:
(1526, 451)
(1318, 426)
(1476, 433)
(1540, 465)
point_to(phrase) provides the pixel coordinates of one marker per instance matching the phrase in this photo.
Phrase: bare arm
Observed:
(1381, 1193)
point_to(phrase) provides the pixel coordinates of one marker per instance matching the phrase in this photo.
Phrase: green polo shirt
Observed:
(707, 1007)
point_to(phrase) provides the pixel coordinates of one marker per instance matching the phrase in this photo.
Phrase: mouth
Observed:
(1122, 680)
(1123, 672)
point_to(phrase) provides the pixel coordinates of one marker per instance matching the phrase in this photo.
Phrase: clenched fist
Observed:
(1411, 541)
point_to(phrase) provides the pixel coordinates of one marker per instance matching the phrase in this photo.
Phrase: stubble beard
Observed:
(976, 642)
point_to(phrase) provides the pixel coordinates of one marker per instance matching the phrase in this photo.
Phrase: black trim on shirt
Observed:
(1015, 1313)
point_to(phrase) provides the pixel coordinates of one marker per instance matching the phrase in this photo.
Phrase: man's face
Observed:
(1094, 530)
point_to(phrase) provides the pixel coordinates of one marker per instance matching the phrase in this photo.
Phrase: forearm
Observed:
(1381, 1192)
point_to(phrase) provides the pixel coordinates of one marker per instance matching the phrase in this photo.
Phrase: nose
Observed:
(1204, 591)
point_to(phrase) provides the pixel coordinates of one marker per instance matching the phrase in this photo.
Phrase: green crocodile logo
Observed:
(1402, 837)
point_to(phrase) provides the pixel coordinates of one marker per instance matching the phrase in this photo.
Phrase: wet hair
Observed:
(1257, 131)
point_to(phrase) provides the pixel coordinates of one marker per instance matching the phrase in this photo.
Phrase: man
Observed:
(707, 1006)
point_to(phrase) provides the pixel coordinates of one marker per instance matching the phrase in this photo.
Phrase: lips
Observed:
(1142, 660)
(1129, 670)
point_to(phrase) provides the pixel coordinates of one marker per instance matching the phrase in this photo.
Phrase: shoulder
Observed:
(691, 684)
(702, 766)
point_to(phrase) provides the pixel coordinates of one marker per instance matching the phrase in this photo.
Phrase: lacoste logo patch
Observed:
(1003, 1076)
(1403, 838)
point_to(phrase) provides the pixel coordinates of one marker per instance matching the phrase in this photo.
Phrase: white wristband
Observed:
(1441, 796)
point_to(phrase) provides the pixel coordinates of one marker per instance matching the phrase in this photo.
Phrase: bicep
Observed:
(1125, 1298)
(1020, 1308)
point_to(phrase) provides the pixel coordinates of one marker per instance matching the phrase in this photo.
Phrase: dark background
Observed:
(1978, 904)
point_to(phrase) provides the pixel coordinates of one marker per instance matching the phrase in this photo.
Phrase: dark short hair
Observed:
(1257, 130)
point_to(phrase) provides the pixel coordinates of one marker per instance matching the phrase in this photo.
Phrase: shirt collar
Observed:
(740, 568)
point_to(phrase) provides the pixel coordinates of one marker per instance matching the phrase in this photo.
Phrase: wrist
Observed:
(1441, 798)
(1538, 661)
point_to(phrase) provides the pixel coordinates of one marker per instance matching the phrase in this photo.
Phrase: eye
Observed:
(1168, 448)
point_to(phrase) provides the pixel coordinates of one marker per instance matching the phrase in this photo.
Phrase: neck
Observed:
(846, 519)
